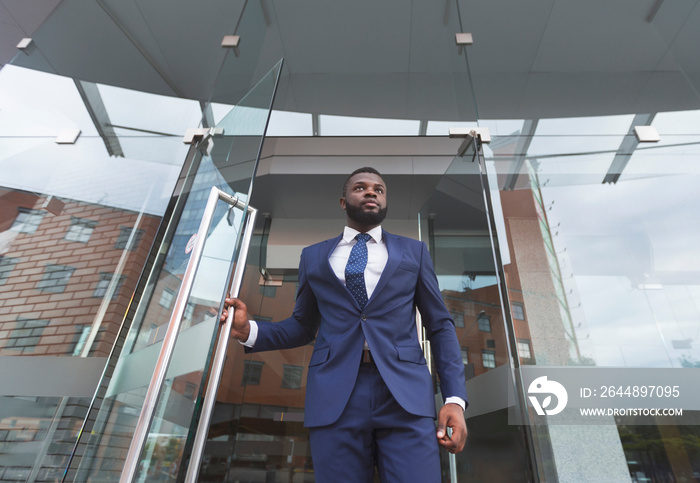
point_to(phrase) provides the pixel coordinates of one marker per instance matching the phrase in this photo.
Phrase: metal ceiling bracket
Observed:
(194, 135)
(464, 39)
(24, 43)
(68, 136)
(230, 41)
(469, 135)
(483, 133)
(461, 132)
(647, 134)
(199, 133)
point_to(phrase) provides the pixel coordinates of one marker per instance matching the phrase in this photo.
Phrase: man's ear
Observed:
(342, 202)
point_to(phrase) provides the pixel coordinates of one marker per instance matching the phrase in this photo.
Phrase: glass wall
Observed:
(177, 404)
(596, 230)
(77, 220)
(600, 242)
(596, 227)
(89, 170)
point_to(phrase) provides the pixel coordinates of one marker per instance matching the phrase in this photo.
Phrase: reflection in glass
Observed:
(36, 434)
(257, 429)
(227, 162)
(69, 264)
(606, 273)
(454, 223)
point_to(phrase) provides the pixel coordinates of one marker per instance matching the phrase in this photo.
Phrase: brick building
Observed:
(57, 269)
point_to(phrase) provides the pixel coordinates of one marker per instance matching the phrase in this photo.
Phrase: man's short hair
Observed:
(366, 169)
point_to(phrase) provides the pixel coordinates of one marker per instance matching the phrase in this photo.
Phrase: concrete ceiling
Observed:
(393, 59)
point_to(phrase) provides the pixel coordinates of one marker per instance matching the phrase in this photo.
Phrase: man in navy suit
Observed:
(369, 394)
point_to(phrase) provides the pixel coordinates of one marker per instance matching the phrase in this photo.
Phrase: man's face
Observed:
(365, 199)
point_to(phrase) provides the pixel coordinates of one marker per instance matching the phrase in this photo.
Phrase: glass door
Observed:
(257, 432)
(156, 391)
(456, 223)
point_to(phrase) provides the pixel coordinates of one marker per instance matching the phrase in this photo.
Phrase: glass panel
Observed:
(454, 223)
(69, 266)
(229, 163)
(165, 445)
(257, 430)
(601, 252)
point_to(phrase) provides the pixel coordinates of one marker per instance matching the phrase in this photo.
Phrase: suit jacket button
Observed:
(363, 317)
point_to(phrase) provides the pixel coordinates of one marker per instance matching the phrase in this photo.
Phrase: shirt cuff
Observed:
(253, 336)
(450, 400)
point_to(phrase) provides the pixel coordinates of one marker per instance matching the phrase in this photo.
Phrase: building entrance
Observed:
(257, 431)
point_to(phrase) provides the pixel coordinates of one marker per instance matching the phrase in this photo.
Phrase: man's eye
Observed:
(358, 188)
(380, 190)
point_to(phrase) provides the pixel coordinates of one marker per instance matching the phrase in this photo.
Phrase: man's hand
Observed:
(241, 326)
(452, 416)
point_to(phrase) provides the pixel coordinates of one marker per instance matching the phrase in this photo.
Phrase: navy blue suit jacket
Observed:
(325, 309)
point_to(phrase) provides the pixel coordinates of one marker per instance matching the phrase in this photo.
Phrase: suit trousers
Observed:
(375, 430)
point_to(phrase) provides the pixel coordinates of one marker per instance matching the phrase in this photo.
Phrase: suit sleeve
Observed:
(440, 330)
(297, 330)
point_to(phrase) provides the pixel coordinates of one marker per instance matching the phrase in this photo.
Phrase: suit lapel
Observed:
(394, 248)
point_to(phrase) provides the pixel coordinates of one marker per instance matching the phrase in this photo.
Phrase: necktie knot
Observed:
(363, 237)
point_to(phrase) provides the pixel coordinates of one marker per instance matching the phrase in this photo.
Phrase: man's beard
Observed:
(367, 218)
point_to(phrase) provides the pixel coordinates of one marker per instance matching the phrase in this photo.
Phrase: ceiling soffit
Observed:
(391, 59)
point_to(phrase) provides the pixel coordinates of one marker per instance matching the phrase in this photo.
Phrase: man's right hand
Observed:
(241, 326)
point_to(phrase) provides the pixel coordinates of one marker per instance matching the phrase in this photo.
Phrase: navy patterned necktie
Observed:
(355, 269)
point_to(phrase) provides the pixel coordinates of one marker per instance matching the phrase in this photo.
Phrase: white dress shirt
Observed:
(377, 256)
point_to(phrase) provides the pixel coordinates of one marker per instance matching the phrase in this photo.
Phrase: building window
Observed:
(167, 297)
(267, 291)
(103, 285)
(252, 370)
(524, 349)
(7, 264)
(518, 311)
(55, 278)
(189, 310)
(80, 337)
(465, 355)
(488, 358)
(123, 238)
(80, 230)
(27, 220)
(484, 322)
(26, 334)
(490, 343)
(19, 473)
(458, 317)
(190, 390)
(291, 378)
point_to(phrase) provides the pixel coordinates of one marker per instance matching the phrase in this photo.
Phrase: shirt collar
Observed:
(350, 233)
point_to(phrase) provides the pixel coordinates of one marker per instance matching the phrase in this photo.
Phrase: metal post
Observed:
(166, 351)
(219, 357)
